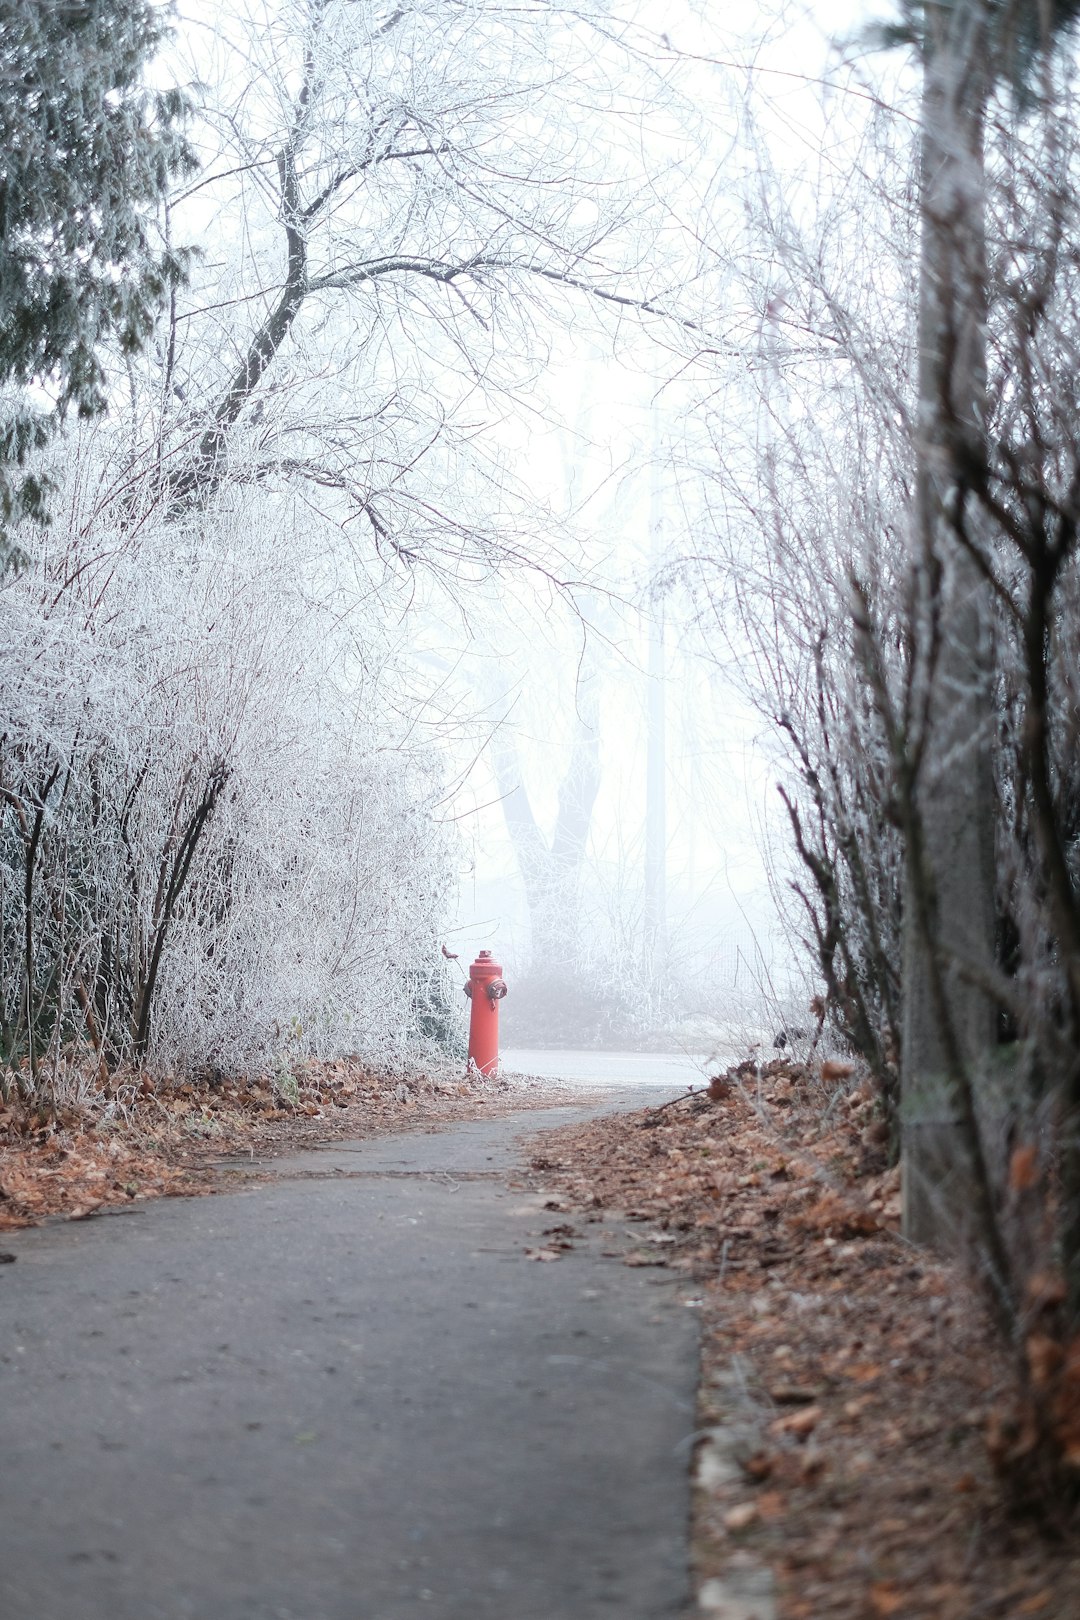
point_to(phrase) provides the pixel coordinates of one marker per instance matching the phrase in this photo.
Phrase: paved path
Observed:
(615, 1069)
(345, 1395)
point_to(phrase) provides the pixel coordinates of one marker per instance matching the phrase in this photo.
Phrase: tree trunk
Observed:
(551, 870)
(949, 891)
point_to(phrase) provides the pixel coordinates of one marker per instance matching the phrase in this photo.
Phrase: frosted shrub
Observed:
(214, 843)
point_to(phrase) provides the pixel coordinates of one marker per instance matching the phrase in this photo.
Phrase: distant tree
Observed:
(86, 152)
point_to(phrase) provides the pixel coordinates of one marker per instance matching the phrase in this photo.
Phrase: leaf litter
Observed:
(127, 1137)
(855, 1380)
(867, 1383)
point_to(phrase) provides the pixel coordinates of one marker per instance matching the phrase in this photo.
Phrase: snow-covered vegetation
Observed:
(222, 827)
(219, 841)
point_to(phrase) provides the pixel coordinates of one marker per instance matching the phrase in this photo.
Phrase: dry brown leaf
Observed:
(800, 1424)
(760, 1465)
(886, 1599)
(1044, 1356)
(836, 1216)
(1045, 1290)
(1023, 1168)
(741, 1517)
(864, 1372)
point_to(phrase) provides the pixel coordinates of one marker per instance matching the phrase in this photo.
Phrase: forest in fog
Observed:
(284, 287)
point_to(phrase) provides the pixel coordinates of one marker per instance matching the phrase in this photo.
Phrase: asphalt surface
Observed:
(618, 1070)
(346, 1394)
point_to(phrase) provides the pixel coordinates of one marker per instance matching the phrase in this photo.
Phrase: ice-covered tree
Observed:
(401, 198)
(218, 844)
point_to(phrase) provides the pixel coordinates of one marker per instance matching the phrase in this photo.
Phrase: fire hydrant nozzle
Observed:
(485, 988)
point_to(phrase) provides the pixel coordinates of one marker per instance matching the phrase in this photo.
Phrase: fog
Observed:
(671, 937)
(404, 597)
(680, 934)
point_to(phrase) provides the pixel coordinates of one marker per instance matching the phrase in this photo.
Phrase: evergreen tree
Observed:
(86, 151)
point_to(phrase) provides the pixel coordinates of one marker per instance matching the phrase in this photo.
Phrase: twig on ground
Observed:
(700, 1091)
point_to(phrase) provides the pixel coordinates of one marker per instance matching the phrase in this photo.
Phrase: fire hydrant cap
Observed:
(485, 968)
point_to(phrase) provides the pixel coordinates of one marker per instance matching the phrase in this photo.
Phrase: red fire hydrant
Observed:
(485, 988)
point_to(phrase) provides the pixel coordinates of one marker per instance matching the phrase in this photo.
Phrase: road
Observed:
(617, 1070)
(346, 1394)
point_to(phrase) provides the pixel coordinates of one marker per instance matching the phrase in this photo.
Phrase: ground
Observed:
(135, 1137)
(345, 1392)
(851, 1385)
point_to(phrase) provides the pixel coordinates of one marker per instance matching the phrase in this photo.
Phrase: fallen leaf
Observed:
(741, 1517)
(760, 1465)
(562, 1233)
(1044, 1357)
(838, 1217)
(541, 1254)
(1023, 1168)
(1045, 1290)
(1070, 1451)
(885, 1599)
(813, 1465)
(864, 1372)
(800, 1424)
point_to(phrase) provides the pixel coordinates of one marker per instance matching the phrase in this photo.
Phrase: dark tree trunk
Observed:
(949, 1022)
